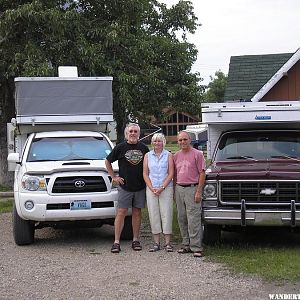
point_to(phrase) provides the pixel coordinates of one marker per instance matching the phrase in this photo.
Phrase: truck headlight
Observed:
(33, 183)
(210, 190)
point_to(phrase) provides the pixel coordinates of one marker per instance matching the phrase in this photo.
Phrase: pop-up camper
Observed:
(57, 144)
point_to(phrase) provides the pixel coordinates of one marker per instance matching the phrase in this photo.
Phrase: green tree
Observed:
(135, 41)
(216, 88)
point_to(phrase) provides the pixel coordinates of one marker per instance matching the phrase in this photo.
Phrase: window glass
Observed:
(70, 148)
(192, 136)
(259, 145)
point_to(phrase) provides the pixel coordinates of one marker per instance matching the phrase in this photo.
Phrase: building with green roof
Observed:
(267, 77)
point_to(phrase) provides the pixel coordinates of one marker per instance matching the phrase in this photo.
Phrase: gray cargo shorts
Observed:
(127, 199)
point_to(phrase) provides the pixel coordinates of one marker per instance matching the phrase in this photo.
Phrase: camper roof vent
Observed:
(67, 71)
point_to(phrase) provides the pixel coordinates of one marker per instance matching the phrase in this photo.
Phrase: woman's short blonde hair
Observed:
(159, 137)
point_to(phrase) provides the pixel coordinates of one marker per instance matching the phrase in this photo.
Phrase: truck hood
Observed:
(50, 167)
(279, 169)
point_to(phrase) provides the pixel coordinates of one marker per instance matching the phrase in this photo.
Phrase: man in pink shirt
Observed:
(189, 179)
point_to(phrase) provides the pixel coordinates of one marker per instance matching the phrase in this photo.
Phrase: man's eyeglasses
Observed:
(133, 131)
(180, 140)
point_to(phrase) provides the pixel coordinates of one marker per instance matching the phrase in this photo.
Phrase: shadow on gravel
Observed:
(74, 235)
(262, 237)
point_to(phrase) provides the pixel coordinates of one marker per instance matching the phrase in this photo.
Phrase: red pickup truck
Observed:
(254, 175)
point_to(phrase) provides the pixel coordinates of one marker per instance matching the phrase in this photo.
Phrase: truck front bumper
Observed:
(251, 217)
(57, 208)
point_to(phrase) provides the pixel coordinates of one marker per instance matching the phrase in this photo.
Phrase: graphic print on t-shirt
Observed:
(134, 156)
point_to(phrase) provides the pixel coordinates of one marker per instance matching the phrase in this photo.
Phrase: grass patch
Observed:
(172, 147)
(176, 230)
(145, 217)
(6, 205)
(5, 188)
(281, 264)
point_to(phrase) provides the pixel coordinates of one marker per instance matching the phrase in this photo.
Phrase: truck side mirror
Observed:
(13, 159)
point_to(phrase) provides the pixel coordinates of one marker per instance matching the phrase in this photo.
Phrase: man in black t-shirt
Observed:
(130, 155)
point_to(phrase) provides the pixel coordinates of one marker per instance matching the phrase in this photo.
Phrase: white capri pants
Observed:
(160, 209)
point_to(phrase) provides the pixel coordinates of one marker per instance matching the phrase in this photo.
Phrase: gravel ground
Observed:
(77, 264)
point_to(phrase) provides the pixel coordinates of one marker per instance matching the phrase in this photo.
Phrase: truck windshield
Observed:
(68, 148)
(255, 145)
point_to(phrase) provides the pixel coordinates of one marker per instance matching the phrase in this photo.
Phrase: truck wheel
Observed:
(23, 230)
(127, 233)
(212, 234)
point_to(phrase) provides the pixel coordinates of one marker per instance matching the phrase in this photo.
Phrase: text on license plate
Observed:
(80, 204)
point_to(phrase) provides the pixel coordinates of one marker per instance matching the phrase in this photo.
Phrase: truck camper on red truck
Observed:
(57, 145)
(254, 175)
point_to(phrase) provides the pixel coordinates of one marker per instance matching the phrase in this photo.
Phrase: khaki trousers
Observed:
(189, 217)
(160, 210)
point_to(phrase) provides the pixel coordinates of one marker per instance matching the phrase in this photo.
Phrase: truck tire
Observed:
(212, 234)
(127, 233)
(23, 230)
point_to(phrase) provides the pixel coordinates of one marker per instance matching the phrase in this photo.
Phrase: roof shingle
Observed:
(248, 73)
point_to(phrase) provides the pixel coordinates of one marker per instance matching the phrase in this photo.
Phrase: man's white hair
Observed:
(131, 125)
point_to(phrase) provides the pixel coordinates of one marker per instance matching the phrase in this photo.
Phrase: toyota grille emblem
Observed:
(79, 183)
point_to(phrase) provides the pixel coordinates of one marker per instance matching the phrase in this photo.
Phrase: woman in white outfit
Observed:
(158, 172)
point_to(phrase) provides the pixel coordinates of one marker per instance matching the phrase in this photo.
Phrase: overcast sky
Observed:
(242, 27)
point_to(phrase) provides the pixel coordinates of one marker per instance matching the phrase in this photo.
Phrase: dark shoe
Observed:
(115, 248)
(136, 246)
(198, 254)
(154, 248)
(184, 250)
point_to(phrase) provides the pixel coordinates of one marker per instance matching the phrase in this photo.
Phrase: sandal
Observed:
(136, 246)
(184, 250)
(115, 248)
(198, 254)
(169, 248)
(154, 248)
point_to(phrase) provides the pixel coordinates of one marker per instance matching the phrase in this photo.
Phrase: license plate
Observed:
(80, 204)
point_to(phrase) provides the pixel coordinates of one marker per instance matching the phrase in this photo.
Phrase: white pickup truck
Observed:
(58, 155)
